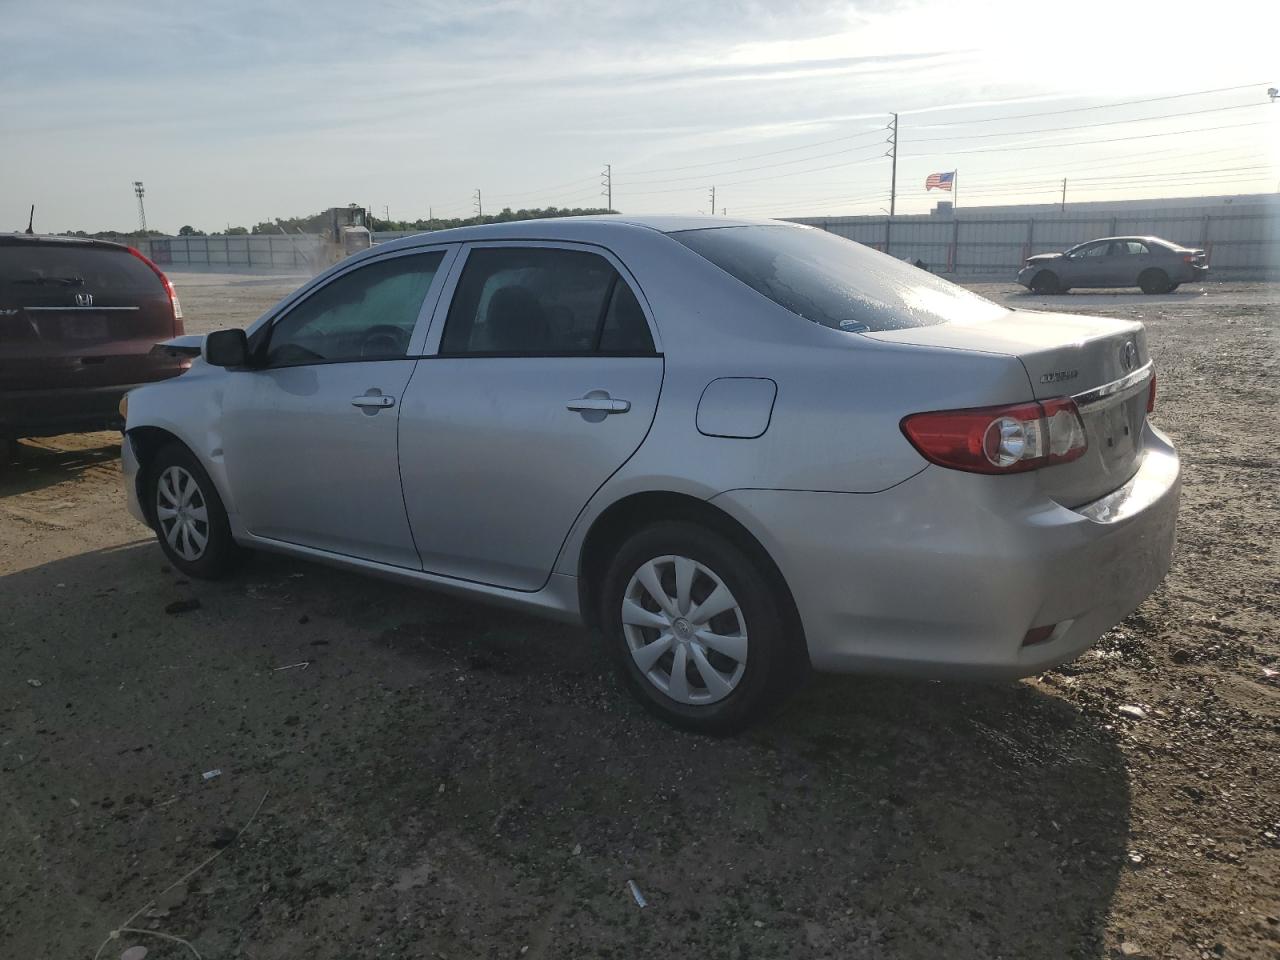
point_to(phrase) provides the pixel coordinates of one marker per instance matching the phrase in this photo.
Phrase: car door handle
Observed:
(373, 400)
(605, 404)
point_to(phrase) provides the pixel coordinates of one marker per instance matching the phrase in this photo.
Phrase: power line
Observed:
(1083, 126)
(729, 173)
(1003, 148)
(774, 176)
(756, 156)
(1100, 106)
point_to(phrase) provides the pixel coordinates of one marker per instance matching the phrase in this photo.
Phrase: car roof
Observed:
(586, 229)
(24, 239)
(1168, 243)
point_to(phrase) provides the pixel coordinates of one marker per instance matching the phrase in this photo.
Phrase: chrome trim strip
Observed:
(1116, 391)
(70, 309)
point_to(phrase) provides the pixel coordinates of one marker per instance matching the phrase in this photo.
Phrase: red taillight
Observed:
(168, 286)
(1189, 258)
(1151, 394)
(1013, 439)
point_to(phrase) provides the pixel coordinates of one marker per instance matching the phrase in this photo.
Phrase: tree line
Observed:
(318, 222)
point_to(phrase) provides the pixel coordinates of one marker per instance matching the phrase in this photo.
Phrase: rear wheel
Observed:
(696, 628)
(1046, 281)
(1155, 281)
(190, 521)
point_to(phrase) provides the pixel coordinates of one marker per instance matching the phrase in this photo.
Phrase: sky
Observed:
(232, 112)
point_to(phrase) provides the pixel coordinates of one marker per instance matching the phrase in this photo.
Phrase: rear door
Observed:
(545, 381)
(78, 315)
(1132, 257)
(309, 437)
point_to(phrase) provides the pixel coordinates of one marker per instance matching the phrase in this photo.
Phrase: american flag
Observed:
(942, 181)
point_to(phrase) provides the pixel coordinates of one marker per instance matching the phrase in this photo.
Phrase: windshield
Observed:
(836, 282)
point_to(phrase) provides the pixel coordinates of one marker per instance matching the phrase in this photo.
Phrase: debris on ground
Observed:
(211, 774)
(183, 606)
(1132, 710)
(637, 895)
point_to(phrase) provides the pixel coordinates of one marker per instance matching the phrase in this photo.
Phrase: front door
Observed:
(545, 382)
(310, 435)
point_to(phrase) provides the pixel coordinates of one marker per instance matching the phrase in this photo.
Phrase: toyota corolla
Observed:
(735, 449)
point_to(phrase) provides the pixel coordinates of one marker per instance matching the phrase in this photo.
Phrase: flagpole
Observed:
(955, 189)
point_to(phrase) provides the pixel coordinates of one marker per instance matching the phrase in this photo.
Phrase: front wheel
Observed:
(1045, 282)
(190, 521)
(696, 627)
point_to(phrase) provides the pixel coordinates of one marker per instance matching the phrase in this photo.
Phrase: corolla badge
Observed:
(1128, 356)
(1059, 376)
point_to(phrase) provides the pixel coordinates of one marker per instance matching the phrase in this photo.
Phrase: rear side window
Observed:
(30, 272)
(543, 301)
(835, 282)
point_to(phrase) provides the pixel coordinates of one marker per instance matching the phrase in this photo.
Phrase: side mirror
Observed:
(226, 348)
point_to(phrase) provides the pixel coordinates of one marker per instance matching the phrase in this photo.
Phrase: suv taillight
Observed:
(1151, 394)
(168, 286)
(1012, 439)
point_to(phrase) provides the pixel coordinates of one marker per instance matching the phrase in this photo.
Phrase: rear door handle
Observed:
(605, 404)
(373, 400)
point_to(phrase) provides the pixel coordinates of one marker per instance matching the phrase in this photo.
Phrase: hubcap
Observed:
(685, 630)
(183, 513)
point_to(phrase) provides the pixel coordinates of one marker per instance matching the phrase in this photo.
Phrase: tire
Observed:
(1045, 282)
(727, 683)
(1154, 281)
(180, 494)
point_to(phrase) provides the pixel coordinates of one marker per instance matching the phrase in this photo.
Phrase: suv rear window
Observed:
(29, 270)
(833, 281)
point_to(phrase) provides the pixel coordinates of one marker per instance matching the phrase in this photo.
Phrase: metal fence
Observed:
(289, 252)
(1240, 244)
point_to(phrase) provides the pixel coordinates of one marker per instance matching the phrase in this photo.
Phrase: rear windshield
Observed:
(834, 281)
(38, 268)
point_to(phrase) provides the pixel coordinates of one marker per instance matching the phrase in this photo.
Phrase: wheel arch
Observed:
(637, 510)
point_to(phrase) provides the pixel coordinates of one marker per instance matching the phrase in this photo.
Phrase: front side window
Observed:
(836, 282)
(367, 314)
(1097, 250)
(543, 301)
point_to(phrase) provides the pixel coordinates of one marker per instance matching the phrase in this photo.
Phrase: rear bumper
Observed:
(46, 413)
(943, 575)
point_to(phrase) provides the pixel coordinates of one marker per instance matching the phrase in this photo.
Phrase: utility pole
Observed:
(713, 201)
(893, 177)
(386, 215)
(607, 183)
(138, 191)
(1063, 208)
(479, 205)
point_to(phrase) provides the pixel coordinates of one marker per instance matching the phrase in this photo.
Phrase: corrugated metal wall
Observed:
(1242, 243)
(259, 251)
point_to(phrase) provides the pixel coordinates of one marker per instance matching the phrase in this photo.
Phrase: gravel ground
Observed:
(435, 778)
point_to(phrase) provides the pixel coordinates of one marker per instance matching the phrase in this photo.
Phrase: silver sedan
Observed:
(736, 449)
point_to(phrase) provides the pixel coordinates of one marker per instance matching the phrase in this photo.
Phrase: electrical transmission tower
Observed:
(479, 205)
(607, 183)
(138, 191)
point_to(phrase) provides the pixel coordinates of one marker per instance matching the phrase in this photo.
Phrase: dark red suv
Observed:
(78, 321)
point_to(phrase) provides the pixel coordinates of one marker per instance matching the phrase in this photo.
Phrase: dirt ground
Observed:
(435, 778)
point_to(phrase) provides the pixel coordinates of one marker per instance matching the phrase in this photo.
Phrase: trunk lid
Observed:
(1103, 363)
(77, 314)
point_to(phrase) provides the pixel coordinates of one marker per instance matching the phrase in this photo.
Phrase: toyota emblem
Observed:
(1129, 356)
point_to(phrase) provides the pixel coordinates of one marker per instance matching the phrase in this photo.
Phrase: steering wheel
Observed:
(384, 340)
